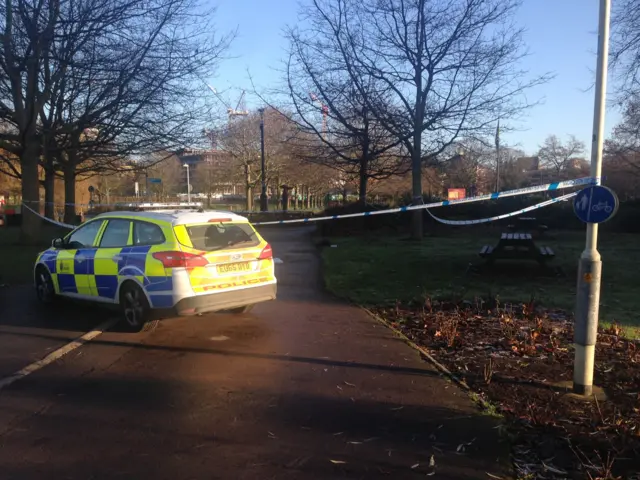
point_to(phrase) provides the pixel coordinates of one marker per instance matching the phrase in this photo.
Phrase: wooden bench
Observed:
(547, 252)
(486, 251)
(519, 237)
(516, 246)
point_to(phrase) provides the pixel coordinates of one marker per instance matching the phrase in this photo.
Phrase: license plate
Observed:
(234, 267)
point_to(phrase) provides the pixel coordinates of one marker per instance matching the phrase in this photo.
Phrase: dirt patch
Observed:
(517, 357)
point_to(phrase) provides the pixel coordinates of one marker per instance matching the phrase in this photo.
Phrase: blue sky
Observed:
(561, 36)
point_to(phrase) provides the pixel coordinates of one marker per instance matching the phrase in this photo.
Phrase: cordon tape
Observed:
(490, 196)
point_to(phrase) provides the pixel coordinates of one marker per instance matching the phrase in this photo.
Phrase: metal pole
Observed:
(263, 193)
(590, 265)
(498, 157)
(188, 185)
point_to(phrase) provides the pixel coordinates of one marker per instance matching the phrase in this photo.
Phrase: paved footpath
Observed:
(305, 387)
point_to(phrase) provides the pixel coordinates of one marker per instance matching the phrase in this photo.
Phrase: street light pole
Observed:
(590, 265)
(498, 157)
(186, 165)
(263, 194)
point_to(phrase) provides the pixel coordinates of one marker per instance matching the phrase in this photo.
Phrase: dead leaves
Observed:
(517, 355)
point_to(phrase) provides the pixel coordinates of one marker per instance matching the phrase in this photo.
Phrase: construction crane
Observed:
(239, 111)
(241, 108)
(325, 112)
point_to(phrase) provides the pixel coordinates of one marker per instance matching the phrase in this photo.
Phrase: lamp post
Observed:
(186, 165)
(263, 194)
(590, 266)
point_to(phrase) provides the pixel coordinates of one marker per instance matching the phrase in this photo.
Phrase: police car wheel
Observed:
(245, 309)
(44, 286)
(134, 306)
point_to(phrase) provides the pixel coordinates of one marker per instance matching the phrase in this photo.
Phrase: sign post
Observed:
(590, 264)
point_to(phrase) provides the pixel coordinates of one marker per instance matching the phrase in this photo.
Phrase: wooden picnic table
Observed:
(516, 246)
(527, 224)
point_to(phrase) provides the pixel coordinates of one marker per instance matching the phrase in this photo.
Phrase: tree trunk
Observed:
(344, 194)
(30, 230)
(247, 188)
(70, 195)
(49, 191)
(416, 183)
(364, 177)
(278, 193)
(295, 202)
(107, 189)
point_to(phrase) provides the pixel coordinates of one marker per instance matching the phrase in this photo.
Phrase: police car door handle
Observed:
(80, 258)
(116, 258)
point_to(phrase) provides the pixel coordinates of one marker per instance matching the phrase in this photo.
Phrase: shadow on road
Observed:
(135, 345)
(182, 430)
(20, 308)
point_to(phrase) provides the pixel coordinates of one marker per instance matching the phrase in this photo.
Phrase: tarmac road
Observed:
(305, 387)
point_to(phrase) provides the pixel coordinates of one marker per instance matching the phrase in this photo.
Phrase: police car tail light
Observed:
(266, 253)
(180, 259)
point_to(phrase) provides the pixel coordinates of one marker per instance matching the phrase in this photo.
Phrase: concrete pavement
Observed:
(305, 387)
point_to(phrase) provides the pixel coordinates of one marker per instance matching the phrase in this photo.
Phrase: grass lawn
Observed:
(16, 261)
(380, 270)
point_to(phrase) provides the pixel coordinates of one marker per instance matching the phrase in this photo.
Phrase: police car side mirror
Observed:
(57, 243)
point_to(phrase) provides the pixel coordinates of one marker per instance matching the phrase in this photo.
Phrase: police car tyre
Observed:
(245, 309)
(134, 307)
(44, 286)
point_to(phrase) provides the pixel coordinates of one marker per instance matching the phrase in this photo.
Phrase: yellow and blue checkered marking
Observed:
(85, 274)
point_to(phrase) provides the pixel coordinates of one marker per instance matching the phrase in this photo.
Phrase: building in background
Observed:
(212, 173)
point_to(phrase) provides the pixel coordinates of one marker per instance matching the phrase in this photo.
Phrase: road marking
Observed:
(219, 338)
(57, 354)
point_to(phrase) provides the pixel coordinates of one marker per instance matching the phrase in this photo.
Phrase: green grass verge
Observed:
(16, 260)
(380, 270)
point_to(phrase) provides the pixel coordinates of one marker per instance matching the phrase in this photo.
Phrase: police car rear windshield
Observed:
(220, 236)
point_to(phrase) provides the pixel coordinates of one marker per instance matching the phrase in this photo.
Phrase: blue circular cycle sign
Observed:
(595, 204)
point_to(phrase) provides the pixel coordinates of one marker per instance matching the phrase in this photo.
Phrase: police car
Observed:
(176, 262)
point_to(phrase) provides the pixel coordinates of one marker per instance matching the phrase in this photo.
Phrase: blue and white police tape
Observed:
(59, 224)
(490, 196)
(504, 215)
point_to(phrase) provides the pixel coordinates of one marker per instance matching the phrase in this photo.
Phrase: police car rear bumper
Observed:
(225, 300)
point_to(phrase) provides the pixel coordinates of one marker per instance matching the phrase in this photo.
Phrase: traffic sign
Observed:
(595, 204)
(155, 180)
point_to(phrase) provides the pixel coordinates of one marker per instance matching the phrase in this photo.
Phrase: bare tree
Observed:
(241, 140)
(465, 164)
(349, 138)
(217, 170)
(28, 31)
(449, 68)
(136, 87)
(559, 156)
(97, 81)
(168, 168)
(625, 48)
(625, 137)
